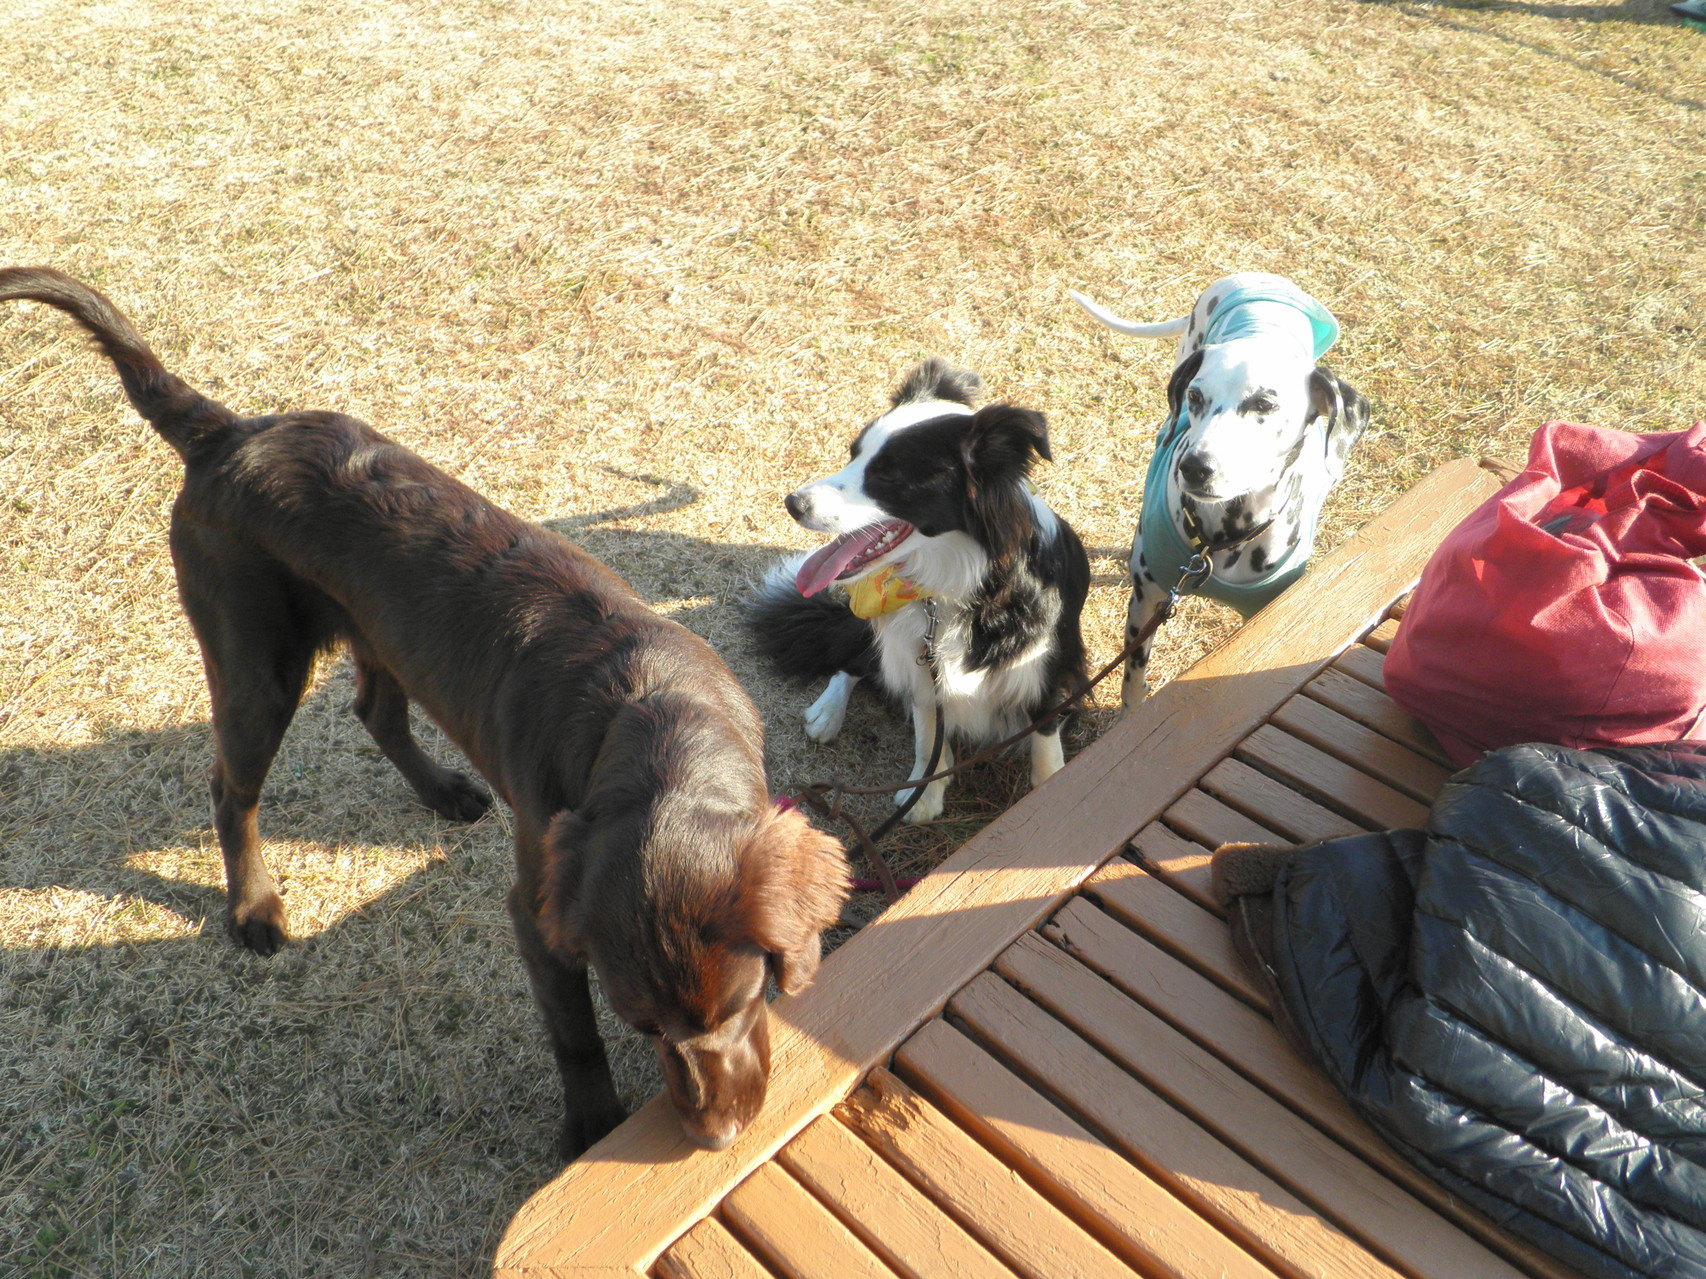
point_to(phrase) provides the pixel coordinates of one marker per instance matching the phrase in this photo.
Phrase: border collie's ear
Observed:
(999, 446)
(936, 379)
(1182, 377)
(1346, 411)
(1004, 437)
(793, 884)
(559, 882)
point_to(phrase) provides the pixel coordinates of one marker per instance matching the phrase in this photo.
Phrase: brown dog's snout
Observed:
(717, 1091)
(711, 1133)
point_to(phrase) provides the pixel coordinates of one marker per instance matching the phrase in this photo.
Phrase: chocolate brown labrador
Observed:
(646, 842)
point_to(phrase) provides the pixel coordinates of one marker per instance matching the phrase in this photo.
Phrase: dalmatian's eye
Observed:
(1193, 397)
(1264, 406)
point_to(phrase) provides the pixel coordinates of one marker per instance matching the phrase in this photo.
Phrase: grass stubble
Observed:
(637, 269)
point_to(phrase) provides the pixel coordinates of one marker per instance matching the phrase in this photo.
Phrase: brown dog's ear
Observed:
(559, 882)
(793, 885)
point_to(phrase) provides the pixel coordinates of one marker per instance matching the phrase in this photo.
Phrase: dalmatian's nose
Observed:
(1195, 470)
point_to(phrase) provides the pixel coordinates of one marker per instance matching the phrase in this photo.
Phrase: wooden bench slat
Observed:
(797, 1235)
(1272, 803)
(1238, 1197)
(1345, 739)
(1212, 823)
(1372, 706)
(1381, 637)
(1250, 1044)
(709, 1251)
(1176, 861)
(1336, 784)
(1177, 925)
(1313, 1166)
(988, 1198)
(915, 1237)
(1093, 1183)
(1365, 664)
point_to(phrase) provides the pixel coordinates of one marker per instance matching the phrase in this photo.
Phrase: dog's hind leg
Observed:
(1147, 597)
(591, 1106)
(258, 640)
(383, 708)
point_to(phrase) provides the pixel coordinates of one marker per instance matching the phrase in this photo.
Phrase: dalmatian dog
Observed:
(1256, 435)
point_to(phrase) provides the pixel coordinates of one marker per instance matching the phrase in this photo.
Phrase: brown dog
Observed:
(646, 843)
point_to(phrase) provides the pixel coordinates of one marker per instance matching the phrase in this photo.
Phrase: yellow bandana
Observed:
(883, 592)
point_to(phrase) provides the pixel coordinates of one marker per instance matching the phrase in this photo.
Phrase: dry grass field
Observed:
(635, 269)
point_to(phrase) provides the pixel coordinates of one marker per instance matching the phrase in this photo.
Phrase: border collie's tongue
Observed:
(847, 552)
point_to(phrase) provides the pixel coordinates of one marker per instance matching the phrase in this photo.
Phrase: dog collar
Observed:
(883, 592)
(1167, 550)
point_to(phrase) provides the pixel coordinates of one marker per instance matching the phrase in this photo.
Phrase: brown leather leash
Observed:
(826, 798)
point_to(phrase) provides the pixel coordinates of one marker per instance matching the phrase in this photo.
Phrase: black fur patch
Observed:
(1181, 378)
(966, 473)
(809, 638)
(936, 379)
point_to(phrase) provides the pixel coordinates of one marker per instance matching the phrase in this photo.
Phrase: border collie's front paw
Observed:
(929, 806)
(1047, 757)
(824, 717)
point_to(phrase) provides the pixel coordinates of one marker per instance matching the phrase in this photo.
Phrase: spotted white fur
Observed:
(1239, 466)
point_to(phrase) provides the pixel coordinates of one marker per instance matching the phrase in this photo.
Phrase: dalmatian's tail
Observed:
(1164, 329)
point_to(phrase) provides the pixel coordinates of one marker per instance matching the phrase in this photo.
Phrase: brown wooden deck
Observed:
(1045, 1060)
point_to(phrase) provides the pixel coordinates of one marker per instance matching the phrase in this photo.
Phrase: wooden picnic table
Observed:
(1045, 1060)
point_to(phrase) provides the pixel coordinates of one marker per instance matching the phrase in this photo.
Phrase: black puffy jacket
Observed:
(1516, 997)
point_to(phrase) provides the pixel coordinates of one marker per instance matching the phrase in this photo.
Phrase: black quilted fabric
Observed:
(1516, 997)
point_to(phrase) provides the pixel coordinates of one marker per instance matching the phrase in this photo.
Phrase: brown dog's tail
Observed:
(183, 416)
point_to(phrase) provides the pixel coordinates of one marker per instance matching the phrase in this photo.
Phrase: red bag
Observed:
(1568, 608)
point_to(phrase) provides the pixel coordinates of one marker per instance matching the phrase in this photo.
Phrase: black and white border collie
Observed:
(936, 502)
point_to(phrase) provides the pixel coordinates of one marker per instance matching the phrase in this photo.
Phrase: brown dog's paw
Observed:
(261, 926)
(580, 1131)
(460, 799)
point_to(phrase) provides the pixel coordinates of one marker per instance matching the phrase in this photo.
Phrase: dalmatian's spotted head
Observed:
(1246, 407)
(1247, 389)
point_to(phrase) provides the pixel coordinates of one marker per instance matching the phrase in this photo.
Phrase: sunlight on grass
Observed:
(638, 269)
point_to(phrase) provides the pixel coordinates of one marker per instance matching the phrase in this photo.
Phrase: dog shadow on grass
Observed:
(375, 1099)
